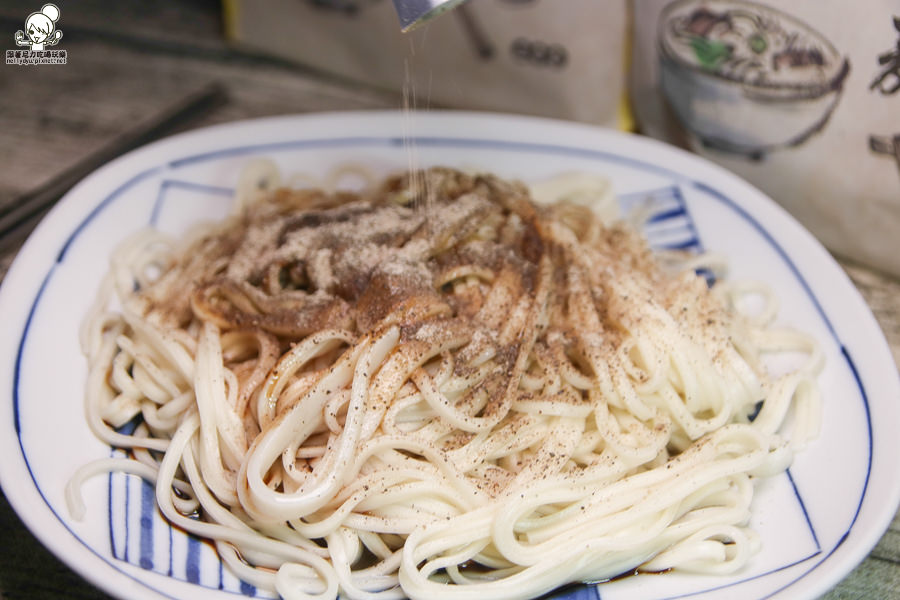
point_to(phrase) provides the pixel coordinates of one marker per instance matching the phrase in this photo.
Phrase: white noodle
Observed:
(372, 465)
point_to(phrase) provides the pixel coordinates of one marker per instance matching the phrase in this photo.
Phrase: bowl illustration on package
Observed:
(747, 78)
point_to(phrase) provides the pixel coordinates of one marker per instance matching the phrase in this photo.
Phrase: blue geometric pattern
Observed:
(139, 536)
(667, 223)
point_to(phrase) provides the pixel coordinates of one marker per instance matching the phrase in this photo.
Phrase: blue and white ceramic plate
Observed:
(817, 521)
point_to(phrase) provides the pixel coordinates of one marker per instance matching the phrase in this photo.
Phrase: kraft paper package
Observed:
(801, 98)
(537, 57)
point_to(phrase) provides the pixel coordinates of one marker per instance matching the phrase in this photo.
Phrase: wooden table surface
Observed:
(125, 64)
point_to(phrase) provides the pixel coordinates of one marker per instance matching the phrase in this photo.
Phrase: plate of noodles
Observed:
(440, 355)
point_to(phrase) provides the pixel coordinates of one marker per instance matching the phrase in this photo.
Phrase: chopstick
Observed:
(32, 204)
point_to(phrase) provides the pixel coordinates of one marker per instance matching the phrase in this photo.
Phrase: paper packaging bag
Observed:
(801, 98)
(555, 58)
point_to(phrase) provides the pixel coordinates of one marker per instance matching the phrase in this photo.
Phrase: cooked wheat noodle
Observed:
(508, 398)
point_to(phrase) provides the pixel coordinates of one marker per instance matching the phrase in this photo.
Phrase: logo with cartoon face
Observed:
(40, 29)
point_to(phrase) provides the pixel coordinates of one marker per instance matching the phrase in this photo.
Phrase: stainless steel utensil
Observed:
(413, 13)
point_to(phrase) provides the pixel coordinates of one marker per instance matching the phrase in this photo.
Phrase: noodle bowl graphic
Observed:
(747, 78)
